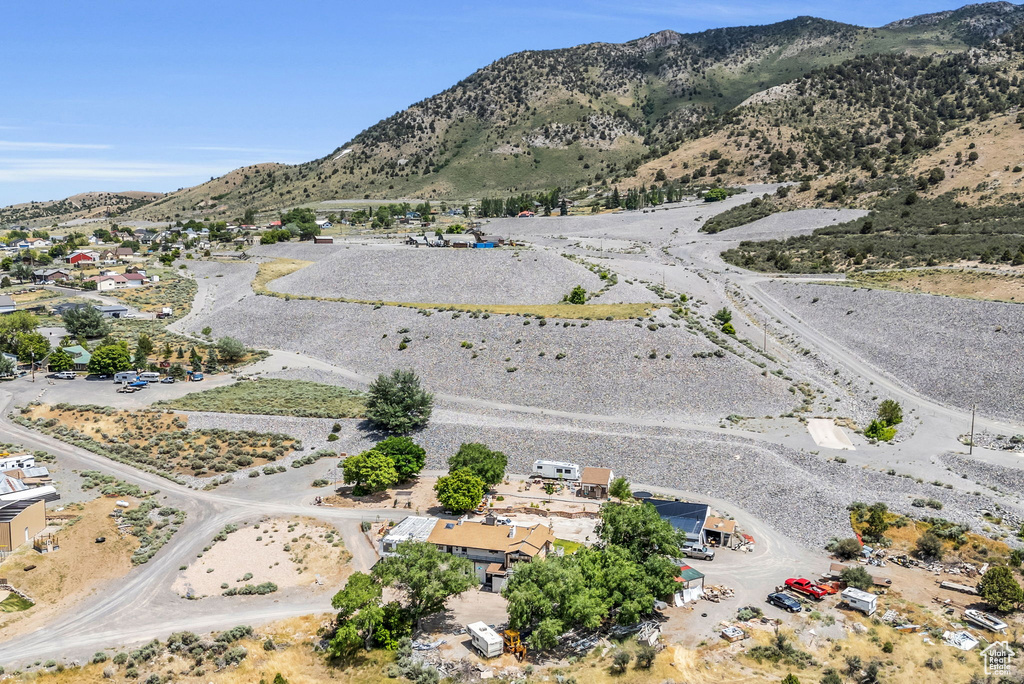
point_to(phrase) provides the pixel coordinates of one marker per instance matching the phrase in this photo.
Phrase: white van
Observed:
(125, 376)
(149, 376)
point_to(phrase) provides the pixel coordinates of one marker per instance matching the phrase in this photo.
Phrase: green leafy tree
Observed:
(143, 348)
(847, 549)
(877, 522)
(1000, 590)
(304, 219)
(359, 614)
(60, 360)
(790, 679)
(5, 282)
(460, 491)
(231, 350)
(638, 529)
(890, 412)
(723, 315)
(857, 577)
(370, 471)
(110, 359)
(7, 366)
(929, 547)
(715, 195)
(397, 403)
(177, 372)
(31, 345)
(577, 296)
(166, 352)
(14, 324)
(212, 362)
(620, 489)
(485, 463)
(21, 271)
(409, 457)
(425, 577)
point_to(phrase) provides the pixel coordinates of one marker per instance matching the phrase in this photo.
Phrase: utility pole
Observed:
(33, 356)
(970, 448)
(764, 347)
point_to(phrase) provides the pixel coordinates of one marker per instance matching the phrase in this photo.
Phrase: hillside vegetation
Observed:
(84, 205)
(592, 115)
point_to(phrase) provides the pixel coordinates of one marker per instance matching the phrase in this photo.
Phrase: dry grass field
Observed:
(997, 287)
(59, 579)
(159, 439)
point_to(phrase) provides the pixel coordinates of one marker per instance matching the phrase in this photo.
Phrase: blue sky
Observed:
(117, 95)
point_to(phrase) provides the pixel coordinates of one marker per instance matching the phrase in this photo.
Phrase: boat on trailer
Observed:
(985, 620)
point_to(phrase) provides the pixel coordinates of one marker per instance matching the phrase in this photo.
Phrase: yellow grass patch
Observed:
(999, 287)
(269, 271)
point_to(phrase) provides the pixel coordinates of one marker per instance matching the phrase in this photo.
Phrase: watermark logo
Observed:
(997, 658)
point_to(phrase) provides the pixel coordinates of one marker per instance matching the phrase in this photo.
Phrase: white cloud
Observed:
(14, 170)
(47, 146)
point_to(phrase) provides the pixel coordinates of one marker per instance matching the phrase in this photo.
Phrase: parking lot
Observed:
(83, 390)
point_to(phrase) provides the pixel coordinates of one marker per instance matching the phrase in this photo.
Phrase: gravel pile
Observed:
(957, 351)
(605, 370)
(788, 223)
(222, 284)
(1000, 442)
(799, 493)
(626, 293)
(464, 276)
(1004, 479)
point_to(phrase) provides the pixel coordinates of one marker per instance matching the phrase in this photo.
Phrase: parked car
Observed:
(167, 381)
(808, 588)
(197, 377)
(785, 602)
(701, 552)
(65, 375)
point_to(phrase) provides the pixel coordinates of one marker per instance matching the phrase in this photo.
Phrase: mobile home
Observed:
(149, 376)
(860, 600)
(126, 376)
(557, 470)
(485, 640)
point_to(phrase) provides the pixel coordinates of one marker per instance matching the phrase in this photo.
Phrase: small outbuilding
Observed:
(719, 531)
(323, 240)
(20, 522)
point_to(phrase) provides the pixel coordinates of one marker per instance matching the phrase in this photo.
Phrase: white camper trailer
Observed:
(485, 639)
(556, 470)
(860, 600)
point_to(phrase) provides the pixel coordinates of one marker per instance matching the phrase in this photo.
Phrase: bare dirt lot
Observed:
(58, 581)
(1000, 287)
(289, 553)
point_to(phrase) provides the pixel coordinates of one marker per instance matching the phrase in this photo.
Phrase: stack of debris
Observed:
(717, 592)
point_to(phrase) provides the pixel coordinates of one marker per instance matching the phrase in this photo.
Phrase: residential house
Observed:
(145, 237)
(80, 356)
(105, 283)
(324, 224)
(417, 240)
(413, 528)
(492, 548)
(7, 304)
(113, 311)
(51, 275)
(83, 257)
(685, 516)
(38, 243)
(458, 240)
(20, 522)
(61, 309)
(135, 279)
(493, 239)
(107, 256)
(595, 482)
(124, 252)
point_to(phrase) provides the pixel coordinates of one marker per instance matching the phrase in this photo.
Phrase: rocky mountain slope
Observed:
(595, 114)
(83, 205)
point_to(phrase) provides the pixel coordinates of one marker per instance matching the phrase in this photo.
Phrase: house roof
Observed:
(720, 525)
(78, 353)
(413, 528)
(5, 301)
(134, 276)
(9, 485)
(9, 510)
(124, 251)
(596, 476)
(111, 308)
(117, 278)
(525, 540)
(684, 515)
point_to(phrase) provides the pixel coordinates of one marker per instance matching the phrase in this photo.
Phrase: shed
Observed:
(113, 310)
(719, 531)
(323, 240)
(691, 584)
(485, 640)
(20, 522)
(595, 482)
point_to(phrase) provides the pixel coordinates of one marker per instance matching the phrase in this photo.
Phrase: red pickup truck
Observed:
(808, 588)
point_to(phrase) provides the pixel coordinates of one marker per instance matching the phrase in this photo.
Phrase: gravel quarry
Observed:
(961, 352)
(399, 273)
